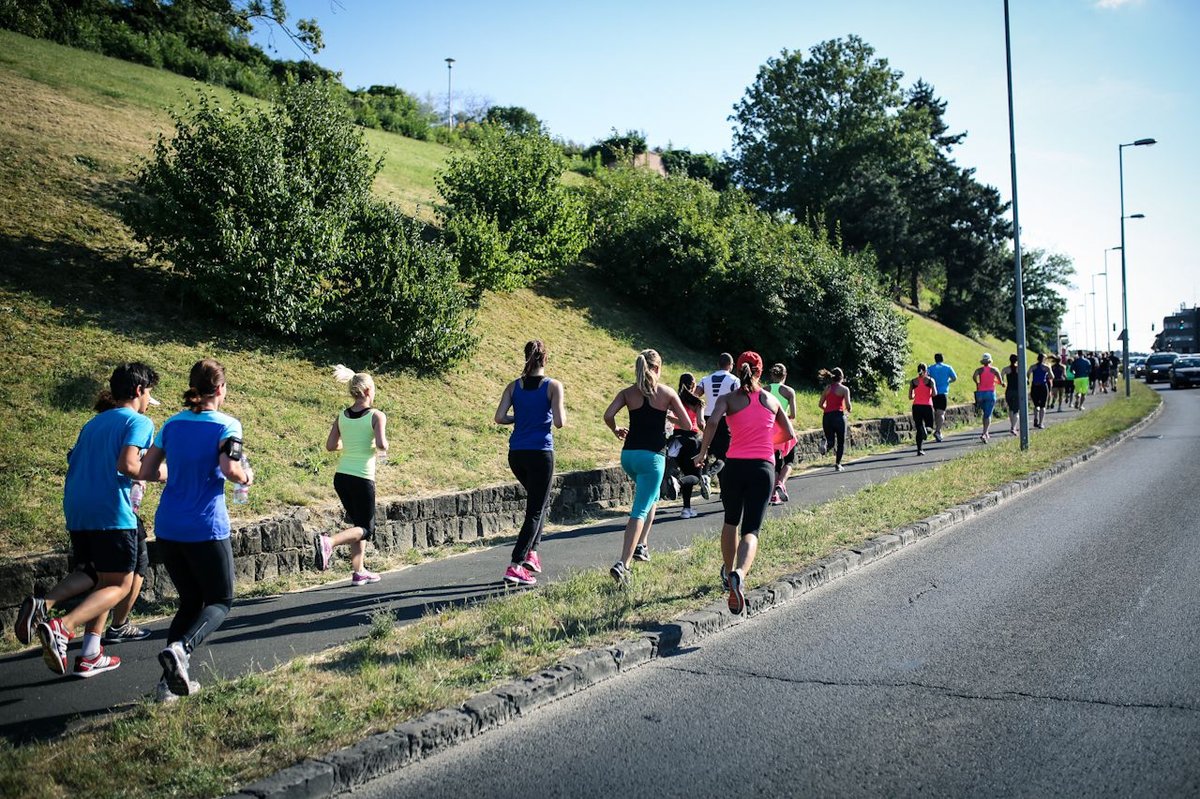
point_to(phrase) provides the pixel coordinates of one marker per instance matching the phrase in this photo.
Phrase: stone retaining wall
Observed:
(282, 544)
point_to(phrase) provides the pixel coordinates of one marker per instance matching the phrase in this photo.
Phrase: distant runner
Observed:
(1082, 367)
(921, 391)
(785, 454)
(1012, 393)
(1040, 377)
(943, 375)
(835, 403)
(688, 442)
(713, 387)
(986, 378)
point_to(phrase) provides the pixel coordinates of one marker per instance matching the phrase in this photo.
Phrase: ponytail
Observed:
(835, 376)
(359, 381)
(535, 357)
(750, 381)
(206, 378)
(645, 374)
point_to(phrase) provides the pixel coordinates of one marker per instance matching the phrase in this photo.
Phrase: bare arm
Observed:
(710, 431)
(153, 466)
(334, 441)
(783, 420)
(502, 410)
(558, 408)
(790, 395)
(233, 469)
(912, 390)
(610, 415)
(847, 395)
(379, 423)
(129, 462)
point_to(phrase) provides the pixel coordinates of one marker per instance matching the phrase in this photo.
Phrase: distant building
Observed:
(1180, 332)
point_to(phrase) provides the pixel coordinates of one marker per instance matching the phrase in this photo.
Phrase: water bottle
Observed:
(381, 457)
(241, 491)
(136, 493)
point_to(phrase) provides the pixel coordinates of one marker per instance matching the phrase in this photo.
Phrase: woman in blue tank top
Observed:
(532, 404)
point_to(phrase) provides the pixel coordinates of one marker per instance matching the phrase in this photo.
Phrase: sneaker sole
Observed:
(620, 577)
(515, 581)
(173, 671)
(737, 595)
(83, 675)
(49, 656)
(23, 629)
(124, 639)
(530, 567)
(322, 562)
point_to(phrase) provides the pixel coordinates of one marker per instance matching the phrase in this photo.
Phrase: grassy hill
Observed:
(75, 298)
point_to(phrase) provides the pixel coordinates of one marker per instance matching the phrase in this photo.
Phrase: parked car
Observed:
(1137, 367)
(1158, 364)
(1185, 371)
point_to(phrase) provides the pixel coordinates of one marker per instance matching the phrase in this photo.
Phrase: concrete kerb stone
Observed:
(386, 752)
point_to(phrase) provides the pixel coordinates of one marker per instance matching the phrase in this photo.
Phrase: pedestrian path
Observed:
(261, 632)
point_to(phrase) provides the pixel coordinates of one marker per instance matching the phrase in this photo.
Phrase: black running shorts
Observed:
(939, 402)
(114, 551)
(358, 498)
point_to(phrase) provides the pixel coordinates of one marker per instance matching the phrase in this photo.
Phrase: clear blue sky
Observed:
(1088, 75)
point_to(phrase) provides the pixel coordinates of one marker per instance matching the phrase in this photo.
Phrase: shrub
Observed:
(507, 215)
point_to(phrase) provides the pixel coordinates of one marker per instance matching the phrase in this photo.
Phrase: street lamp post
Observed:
(1107, 304)
(1019, 293)
(1124, 279)
(1095, 334)
(449, 84)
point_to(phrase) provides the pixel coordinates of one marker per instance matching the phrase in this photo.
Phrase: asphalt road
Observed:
(1050, 647)
(261, 632)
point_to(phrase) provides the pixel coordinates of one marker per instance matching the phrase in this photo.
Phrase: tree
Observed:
(507, 214)
(514, 119)
(701, 166)
(1042, 273)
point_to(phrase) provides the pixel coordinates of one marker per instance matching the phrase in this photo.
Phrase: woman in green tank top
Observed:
(360, 432)
(783, 463)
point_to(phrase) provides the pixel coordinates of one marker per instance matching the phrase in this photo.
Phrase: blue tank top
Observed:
(531, 410)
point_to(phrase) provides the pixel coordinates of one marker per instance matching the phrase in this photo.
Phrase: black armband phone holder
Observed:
(233, 448)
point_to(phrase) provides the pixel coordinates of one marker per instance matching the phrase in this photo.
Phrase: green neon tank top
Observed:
(358, 446)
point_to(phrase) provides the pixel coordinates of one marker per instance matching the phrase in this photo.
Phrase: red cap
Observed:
(752, 358)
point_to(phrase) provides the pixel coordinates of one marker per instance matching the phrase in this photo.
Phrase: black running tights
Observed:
(203, 575)
(833, 423)
(534, 470)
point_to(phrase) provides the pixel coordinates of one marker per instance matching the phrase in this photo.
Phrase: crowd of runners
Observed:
(729, 425)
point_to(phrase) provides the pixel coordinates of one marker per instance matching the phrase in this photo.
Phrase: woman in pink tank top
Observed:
(986, 377)
(921, 391)
(749, 474)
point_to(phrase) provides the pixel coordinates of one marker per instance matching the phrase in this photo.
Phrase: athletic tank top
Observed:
(752, 431)
(987, 379)
(777, 394)
(923, 395)
(1059, 372)
(533, 417)
(647, 428)
(834, 402)
(1041, 374)
(358, 444)
(691, 413)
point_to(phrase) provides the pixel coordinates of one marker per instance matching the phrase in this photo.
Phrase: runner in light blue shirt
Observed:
(943, 375)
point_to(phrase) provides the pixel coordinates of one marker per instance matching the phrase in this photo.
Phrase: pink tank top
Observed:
(752, 431)
(923, 395)
(987, 379)
(834, 401)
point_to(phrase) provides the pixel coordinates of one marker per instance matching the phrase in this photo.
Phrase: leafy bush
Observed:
(506, 214)
(268, 216)
(734, 278)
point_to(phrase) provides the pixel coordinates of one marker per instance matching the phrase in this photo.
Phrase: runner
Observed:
(713, 387)
(986, 377)
(943, 375)
(1060, 383)
(686, 443)
(785, 456)
(202, 448)
(1082, 367)
(533, 405)
(1069, 374)
(360, 432)
(101, 468)
(1012, 393)
(643, 454)
(754, 416)
(835, 403)
(1101, 371)
(1039, 389)
(921, 391)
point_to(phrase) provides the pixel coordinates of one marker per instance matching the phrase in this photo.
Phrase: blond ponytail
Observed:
(646, 372)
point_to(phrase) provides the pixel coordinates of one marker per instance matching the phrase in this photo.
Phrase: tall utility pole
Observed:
(449, 92)
(1107, 305)
(1019, 304)
(1095, 334)
(1124, 281)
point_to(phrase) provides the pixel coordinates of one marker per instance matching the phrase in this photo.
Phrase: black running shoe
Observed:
(126, 632)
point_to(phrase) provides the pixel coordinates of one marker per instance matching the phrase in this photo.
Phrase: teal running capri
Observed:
(646, 468)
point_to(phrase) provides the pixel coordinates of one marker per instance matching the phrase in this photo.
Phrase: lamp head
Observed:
(1145, 142)
(1137, 216)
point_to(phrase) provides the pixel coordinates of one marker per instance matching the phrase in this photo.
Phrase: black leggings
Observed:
(746, 486)
(923, 420)
(534, 470)
(689, 448)
(203, 575)
(833, 423)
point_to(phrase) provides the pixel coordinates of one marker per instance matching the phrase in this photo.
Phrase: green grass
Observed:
(77, 298)
(238, 730)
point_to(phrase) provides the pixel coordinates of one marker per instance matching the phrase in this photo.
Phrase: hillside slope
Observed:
(75, 298)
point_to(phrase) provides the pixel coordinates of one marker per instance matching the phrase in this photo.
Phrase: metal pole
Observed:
(1095, 333)
(1107, 304)
(449, 94)
(1019, 303)
(1124, 283)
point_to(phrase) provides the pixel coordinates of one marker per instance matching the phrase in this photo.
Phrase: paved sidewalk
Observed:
(261, 632)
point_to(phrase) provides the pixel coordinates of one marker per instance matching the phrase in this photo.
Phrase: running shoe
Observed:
(705, 486)
(783, 494)
(937, 437)
(164, 694)
(823, 446)
(839, 467)
(54, 637)
(174, 661)
(519, 575)
(364, 577)
(737, 595)
(687, 513)
(775, 500)
(724, 578)
(323, 547)
(123, 634)
(31, 614)
(641, 552)
(620, 573)
(920, 452)
(90, 667)
(532, 562)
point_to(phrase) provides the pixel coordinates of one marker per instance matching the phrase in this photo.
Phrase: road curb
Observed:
(389, 751)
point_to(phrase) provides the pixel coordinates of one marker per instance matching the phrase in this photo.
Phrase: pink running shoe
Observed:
(323, 548)
(532, 562)
(363, 577)
(54, 637)
(519, 575)
(90, 667)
